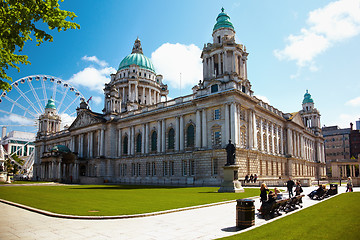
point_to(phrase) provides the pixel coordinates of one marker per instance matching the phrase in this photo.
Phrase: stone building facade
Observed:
(142, 138)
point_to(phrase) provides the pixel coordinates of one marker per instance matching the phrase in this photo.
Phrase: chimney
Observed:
(3, 134)
(351, 126)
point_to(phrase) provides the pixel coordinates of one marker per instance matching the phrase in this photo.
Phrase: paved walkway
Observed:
(203, 223)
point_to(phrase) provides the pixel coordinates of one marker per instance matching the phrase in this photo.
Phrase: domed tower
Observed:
(49, 122)
(136, 83)
(224, 60)
(309, 114)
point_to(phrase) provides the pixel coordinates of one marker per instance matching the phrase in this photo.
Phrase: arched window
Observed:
(125, 145)
(154, 141)
(138, 143)
(190, 133)
(171, 139)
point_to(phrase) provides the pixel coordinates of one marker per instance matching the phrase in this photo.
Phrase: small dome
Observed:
(137, 59)
(51, 104)
(307, 98)
(223, 21)
(60, 148)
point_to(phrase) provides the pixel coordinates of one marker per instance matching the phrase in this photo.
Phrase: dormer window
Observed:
(214, 88)
(219, 39)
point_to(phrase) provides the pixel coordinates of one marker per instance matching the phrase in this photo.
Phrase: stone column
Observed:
(212, 66)
(129, 141)
(182, 133)
(234, 62)
(136, 92)
(59, 170)
(102, 138)
(147, 138)
(219, 64)
(163, 130)
(226, 125)
(150, 97)
(198, 129)
(289, 142)
(272, 138)
(143, 139)
(177, 133)
(159, 136)
(233, 124)
(204, 129)
(225, 62)
(123, 97)
(89, 148)
(267, 136)
(278, 140)
(251, 135)
(132, 140)
(129, 92)
(120, 143)
(261, 147)
(143, 96)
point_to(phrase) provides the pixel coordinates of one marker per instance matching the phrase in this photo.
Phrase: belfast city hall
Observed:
(142, 137)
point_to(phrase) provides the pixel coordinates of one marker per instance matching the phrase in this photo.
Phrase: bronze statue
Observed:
(230, 150)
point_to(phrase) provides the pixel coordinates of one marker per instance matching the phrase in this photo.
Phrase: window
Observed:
(184, 168)
(124, 168)
(153, 169)
(171, 139)
(216, 114)
(192, 167)
(153, 141)
(190, 133)
(133, 170)
(125, 145)
(214, 166)
(138, 169)
(171, 168)
(217, 138)
(243, 89)
(165, 168)
(138, 143)
(147, 169)
(214, 88)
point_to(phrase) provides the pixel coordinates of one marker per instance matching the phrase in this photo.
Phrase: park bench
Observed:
(321, 196)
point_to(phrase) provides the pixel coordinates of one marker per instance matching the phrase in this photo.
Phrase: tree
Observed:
(20, 20)
(11, 166)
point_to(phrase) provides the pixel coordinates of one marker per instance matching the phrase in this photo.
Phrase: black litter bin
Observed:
(245, 213)
(333, 189)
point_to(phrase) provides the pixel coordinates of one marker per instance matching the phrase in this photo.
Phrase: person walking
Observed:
(290, 184)
(349, 185)
(255, 178)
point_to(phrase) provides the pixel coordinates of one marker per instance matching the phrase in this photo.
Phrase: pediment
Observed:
(296, 118)
(86, 118)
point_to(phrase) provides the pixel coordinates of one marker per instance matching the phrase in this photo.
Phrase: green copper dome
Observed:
(307, 98)
(137, 57)
(60, 148)
(223, 21)
(51, 104)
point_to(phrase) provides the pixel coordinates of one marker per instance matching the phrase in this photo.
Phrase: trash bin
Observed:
(245, 213)
(333, 189)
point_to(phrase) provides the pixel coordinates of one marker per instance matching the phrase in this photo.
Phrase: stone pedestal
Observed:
(231, 183)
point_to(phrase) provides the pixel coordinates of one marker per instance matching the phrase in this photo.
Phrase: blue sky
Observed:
(293, 46)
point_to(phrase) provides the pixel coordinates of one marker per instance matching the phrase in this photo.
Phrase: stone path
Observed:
(203, 223)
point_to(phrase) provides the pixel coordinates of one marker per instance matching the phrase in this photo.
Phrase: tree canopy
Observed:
(20, 21)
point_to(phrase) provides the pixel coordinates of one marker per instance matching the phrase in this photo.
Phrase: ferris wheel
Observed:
(21, 107)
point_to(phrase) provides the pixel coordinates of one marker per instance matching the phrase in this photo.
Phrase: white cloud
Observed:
(95, 60)
(97, 100)
(333, 23)
(14, 118)
(66, 120)
(354, 102)
(92, 78)
(263, 98)
(172, 59)
(345, 120)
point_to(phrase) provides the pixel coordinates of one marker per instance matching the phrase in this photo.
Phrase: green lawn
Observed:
(336, 218)
(110, 200)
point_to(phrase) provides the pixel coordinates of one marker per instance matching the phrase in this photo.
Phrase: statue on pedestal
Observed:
(230, 150)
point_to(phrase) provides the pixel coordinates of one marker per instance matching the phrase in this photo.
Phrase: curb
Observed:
(56, 215)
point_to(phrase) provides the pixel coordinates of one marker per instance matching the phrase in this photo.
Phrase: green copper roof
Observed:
(223, 21)
(60, 148)
(51, 104)
(138, 59)
(307, 98)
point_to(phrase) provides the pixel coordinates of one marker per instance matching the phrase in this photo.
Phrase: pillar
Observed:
(163, 130)
(143, 139)
(204, 129)
(198, 129)
(182, 134)
(119, 143)
(177, 133)
(102, 138)
(159, 136)
(226, 125)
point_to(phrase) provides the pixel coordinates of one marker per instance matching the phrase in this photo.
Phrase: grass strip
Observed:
(335, 218)
(111, 200)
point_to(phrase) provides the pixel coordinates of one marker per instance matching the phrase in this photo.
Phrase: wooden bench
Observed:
(285, 205)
